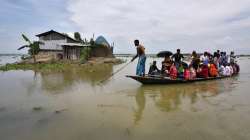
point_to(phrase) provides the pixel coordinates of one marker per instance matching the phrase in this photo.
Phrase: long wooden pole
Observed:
(112, 74)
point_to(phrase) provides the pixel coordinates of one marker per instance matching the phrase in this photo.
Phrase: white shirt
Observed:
(227, 71)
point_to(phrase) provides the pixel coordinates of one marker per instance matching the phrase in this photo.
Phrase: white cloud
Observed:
(163, 24)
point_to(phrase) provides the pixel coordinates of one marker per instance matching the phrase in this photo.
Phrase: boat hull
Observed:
(167, 80)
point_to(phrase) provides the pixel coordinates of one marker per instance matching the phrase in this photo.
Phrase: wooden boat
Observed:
(148, 79)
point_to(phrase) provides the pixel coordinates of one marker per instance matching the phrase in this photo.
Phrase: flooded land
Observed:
(73, 105)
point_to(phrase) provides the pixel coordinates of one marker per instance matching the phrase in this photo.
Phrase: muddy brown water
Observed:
(72, 105)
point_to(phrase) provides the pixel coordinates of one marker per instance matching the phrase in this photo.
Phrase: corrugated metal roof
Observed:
(52, 31)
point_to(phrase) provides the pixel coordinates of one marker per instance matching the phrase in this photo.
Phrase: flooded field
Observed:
(73, 105)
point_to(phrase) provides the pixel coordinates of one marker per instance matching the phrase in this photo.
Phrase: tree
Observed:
(77, 36)
(33, 47)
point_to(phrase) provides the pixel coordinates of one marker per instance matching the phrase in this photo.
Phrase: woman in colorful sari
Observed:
(140, 69)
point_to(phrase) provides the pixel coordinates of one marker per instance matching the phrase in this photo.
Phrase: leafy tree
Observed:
(77, 36)
(33, 47)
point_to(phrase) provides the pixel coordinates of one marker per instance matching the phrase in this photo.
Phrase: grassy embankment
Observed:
(59, 66)
(47, 66)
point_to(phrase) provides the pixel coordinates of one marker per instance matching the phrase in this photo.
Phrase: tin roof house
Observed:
(59, 46)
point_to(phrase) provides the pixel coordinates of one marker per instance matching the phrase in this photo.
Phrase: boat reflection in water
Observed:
(173, 97)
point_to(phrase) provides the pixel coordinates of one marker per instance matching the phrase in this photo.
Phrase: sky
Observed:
(201, 25)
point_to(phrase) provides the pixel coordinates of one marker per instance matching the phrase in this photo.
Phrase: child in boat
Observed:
(192, 73)
(202, 71)
(213, 72)
(173, 72)
(153, 70)
(181, 71)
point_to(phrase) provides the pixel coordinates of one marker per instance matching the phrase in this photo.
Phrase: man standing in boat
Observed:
(177, 58)
(140, 69)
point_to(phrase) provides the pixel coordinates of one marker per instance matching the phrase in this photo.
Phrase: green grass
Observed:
(50, 66)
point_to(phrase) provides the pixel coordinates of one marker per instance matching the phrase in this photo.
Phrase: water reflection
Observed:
(171, 97)
(54, 82)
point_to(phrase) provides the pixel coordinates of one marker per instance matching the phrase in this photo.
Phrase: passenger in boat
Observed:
(218, 53)
(192, 73)
(166, 64)
(216, 58)
(180, 70)
(195, 60)
(187, 75)
(232, 58)
(227, 58)
(140, 69)
(177, 57)
(228, 70)
(153, 70)
(202, 71)
(223, 59)
(213, 72)
(173, 72)
(205, 58)
(222, 70)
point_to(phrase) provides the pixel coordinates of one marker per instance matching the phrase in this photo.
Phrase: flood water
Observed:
(72, 105)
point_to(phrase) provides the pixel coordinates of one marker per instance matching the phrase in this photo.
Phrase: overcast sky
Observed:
(202, 25)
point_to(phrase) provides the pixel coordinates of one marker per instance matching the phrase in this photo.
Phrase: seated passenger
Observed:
(173, 72)
(180, 71)
(166, 64)
(205, 58)
(213, 72)
(222, 70)
(202, 71)
(187, 74)
(153, 70)
(223, 59)
(227, 71)
(192, 73)
(216, 59)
